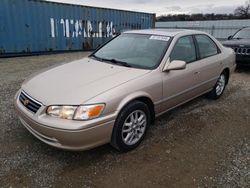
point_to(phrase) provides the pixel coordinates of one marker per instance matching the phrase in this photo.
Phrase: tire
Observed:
(129, 129)
(219, 87)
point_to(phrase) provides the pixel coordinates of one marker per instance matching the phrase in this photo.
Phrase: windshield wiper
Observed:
(98, 58)
(238, 38)
(114, 61)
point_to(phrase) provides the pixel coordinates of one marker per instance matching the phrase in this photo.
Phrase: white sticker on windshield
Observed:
(163, 38)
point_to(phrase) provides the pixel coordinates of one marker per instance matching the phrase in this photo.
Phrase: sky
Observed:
(161, 7)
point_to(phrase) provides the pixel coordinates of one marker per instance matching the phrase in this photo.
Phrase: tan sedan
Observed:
(115, 94)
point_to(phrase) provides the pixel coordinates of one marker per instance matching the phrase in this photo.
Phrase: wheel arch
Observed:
(227, 71)
(140, 96)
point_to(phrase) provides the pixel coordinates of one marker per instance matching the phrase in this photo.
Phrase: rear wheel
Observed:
(131, 126)
(219, 87)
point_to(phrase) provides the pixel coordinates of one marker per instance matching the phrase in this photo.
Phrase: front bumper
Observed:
(83, 135)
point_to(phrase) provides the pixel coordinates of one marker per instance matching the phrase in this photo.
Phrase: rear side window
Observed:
(184, 50)
(206, 46)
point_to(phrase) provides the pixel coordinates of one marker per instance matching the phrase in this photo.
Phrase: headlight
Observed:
(85, 112)
(64, 112)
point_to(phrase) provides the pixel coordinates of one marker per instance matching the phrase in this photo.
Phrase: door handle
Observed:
(197, 72)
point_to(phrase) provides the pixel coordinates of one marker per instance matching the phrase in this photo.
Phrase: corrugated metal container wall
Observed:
(34, 26)
(220, 29)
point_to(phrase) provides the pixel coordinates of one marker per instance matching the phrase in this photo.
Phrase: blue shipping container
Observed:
(36, 26)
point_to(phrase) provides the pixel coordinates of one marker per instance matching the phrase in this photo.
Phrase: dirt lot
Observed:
(201, 144)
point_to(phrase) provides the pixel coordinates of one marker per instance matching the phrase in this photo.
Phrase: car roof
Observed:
(165, 32)
(245, 28)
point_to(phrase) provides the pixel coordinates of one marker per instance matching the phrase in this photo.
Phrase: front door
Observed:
(181, 85)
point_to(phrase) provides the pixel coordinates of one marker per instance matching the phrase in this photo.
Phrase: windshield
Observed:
(242, 34)
(134, 50)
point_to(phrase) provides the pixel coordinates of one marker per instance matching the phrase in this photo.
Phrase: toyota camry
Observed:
(115, 94)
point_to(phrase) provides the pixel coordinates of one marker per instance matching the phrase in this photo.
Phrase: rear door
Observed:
(209, 63)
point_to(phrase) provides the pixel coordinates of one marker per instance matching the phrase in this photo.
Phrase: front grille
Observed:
(30, 103)
(242, 51)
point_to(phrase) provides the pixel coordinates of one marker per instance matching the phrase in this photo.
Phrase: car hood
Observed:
(236, 42)
(76, 82)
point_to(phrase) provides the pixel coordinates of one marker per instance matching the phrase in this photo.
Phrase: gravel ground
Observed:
(204, 143)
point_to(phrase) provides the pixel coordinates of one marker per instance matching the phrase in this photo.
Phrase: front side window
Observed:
(206, 46)
(136, 50)
(184, 50)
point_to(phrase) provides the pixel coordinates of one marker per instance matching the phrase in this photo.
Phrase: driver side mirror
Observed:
(230, 37)
(175, 65)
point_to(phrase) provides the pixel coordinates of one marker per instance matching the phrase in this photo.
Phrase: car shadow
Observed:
(243, 69)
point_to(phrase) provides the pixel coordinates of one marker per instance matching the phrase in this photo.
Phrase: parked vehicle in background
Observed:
(114, 95)
(240, 43)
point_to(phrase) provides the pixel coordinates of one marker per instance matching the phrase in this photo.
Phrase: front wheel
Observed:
(219, 87)
(130, 126)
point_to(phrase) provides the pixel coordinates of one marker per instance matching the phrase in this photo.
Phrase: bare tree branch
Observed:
(243, 11)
